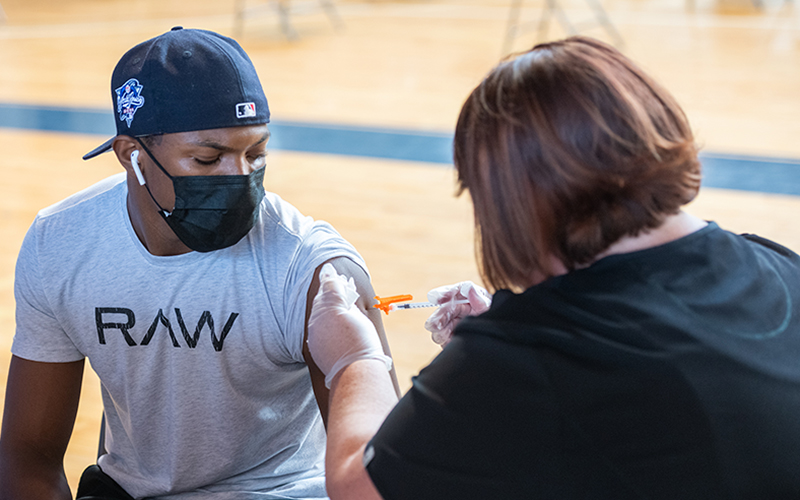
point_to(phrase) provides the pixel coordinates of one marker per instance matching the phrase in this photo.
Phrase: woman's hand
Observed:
(455, 302)
(338, 333)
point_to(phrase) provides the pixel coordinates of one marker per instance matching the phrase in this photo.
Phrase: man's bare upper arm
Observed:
(347, 267)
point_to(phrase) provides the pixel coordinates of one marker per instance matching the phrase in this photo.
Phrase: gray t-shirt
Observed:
(204, 386)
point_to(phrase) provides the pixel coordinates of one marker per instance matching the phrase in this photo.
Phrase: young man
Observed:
(186, 286)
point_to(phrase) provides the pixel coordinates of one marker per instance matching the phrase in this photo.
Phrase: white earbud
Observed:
(135, 163)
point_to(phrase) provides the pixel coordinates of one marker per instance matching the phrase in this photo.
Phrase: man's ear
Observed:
(123, 147)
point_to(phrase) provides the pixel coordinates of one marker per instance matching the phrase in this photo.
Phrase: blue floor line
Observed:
(739, 172)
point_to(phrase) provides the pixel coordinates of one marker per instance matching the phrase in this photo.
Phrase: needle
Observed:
(417, 305)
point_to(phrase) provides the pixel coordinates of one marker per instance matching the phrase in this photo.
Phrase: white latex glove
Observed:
(338, 333)
(452, 308)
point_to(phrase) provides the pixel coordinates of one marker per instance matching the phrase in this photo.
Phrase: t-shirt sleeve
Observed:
(319, 244)
(39, 335)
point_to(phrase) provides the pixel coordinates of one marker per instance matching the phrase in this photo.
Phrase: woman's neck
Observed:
(674, 227)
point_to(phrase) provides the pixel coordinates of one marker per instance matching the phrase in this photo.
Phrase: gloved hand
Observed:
(455, 302)
(338, 333)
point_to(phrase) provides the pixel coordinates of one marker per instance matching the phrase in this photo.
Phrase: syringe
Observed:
(387, 304)
(417, 305)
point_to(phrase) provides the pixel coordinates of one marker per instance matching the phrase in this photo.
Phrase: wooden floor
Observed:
(736, 70)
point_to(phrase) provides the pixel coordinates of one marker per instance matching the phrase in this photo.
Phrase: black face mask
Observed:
(212, 211)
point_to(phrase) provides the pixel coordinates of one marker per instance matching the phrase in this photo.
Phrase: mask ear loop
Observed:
(163, 212)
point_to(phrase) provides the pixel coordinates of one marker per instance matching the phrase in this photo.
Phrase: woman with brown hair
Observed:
(631, 350)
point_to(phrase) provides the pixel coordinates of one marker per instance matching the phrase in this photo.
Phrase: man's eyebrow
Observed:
(263, 138)
(221, 147)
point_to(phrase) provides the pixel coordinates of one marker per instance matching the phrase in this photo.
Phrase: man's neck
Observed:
(153, 232)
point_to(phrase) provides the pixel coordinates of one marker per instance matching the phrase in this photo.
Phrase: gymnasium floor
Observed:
(363, 115)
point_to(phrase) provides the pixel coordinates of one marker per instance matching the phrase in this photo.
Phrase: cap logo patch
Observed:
(129, 99)
(245, 109)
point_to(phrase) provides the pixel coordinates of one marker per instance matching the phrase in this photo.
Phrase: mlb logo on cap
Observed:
(245, 109)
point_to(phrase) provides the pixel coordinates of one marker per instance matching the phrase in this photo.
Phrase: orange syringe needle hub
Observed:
(385, 303)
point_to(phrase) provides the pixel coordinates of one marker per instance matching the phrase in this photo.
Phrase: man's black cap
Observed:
(184, 80)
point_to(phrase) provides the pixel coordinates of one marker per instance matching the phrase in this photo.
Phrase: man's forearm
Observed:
(361, 397)
(31, 478)
(38, 416)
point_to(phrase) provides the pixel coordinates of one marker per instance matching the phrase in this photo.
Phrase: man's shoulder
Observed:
(293, 244)
(70, 226)
(278, 211)
(280, 219)
(98, 193)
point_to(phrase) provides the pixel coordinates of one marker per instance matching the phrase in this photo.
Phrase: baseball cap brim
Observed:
(106, 146)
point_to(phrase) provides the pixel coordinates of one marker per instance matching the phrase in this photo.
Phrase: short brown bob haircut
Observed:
(564, 150)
